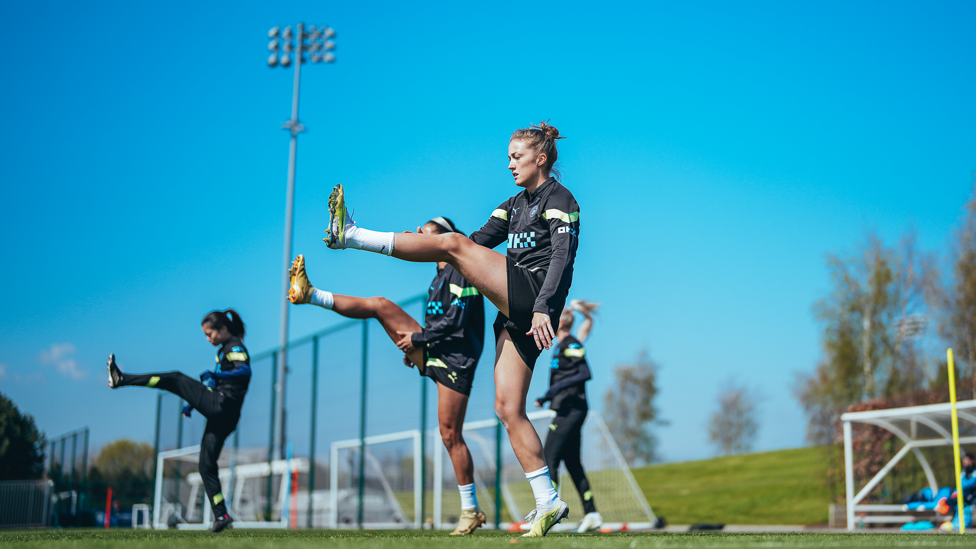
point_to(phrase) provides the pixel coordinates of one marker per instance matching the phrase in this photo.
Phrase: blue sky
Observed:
(718, 152)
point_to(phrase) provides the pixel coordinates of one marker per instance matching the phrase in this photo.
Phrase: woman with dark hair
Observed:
(528, 285)
(218, 395)
(568, 375)
(447, 350)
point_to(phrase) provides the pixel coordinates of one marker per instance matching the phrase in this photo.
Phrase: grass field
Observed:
(783, 487)
(269, 539)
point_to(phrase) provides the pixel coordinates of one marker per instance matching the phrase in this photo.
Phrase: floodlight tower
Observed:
(289, 48)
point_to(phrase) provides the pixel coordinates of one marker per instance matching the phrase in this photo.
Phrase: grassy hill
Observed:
(782, 487)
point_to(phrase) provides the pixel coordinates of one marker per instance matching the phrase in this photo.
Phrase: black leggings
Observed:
(563, 445)
(222, 414)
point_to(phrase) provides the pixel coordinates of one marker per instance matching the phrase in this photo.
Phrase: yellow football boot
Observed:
(300, 290)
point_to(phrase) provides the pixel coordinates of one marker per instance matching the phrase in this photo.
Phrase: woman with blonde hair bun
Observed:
(568, 375)
(528, 285)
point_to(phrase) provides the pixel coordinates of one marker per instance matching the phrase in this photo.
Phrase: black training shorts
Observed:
(523, 288)
(440, 369)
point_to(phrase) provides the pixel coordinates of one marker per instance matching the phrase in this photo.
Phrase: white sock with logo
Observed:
(322, 299)
(545, 494)
(358, 238)
(469, 499)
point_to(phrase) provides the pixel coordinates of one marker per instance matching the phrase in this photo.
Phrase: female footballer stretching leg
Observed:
(219, 396)
(447, 350)
(528, 285)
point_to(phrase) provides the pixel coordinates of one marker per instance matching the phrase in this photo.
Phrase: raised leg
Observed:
(181, 385)
(451, 408)
(485, 269)
(389, 315)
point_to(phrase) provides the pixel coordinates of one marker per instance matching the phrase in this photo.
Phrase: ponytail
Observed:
(229, 319)
(587, 309)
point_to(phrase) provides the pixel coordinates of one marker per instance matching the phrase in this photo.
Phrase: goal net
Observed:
(616, 493)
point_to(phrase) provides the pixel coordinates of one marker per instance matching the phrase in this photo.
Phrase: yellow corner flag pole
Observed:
(960, 510)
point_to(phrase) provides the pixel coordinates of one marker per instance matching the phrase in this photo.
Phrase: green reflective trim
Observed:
(153, 381)
(463, 292)
(588, 495)
(500, 214)
(555, 486)
(575, 353)
(436, 363)
(218, 498)
(552, 426)
(237, 357)
(559, 214)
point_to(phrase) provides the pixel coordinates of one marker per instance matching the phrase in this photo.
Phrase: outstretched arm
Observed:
(582, 375)
(241, 369)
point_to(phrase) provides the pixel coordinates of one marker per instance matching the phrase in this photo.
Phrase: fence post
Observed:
(498, 474)
(57, 500)
(159, 412)
(74, 457)
(311, 452)
(179, 444)
(271, 433)
(423, 432)
(362, 428)
(83, 497)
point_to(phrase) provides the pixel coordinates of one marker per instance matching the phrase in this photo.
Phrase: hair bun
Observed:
(550, 131)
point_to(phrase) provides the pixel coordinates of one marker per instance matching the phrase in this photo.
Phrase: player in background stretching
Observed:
(567, 397)
(446, 350)
(218, 395)
(528, 285)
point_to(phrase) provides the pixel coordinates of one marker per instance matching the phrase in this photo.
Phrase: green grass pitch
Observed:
(278, 539)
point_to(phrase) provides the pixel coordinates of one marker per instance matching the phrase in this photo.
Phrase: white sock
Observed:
(469, 499)
(322, 299)
(358, 238)
(545, 494)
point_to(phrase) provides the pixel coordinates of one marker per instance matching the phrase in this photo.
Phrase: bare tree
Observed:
(733, 427)
(875, 309)
(630, 411)
(957, 301)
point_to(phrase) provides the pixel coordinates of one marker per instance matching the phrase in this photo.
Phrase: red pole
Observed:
(294, 499)
(108, 508)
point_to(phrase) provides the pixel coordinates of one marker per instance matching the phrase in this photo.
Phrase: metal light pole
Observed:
(317, 43)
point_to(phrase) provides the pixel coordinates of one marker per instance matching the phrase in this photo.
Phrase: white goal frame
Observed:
(234, 478)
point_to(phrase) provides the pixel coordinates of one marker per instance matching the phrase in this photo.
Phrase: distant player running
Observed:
(529, 286)
(447, 351)
(218, 395)
(567, 397)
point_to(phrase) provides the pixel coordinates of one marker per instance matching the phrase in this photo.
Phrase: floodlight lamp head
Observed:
(273, 33)
(311, 28)
(286, 33)
(330, 32)
(272, 60)
(328, 58)
(329, 45)
(316, 58)
(285, 60)
(273, 45)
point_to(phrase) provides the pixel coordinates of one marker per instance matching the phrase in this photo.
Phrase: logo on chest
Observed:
(521, 240)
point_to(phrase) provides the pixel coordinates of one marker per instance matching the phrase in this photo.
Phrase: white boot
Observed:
(592, 521)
